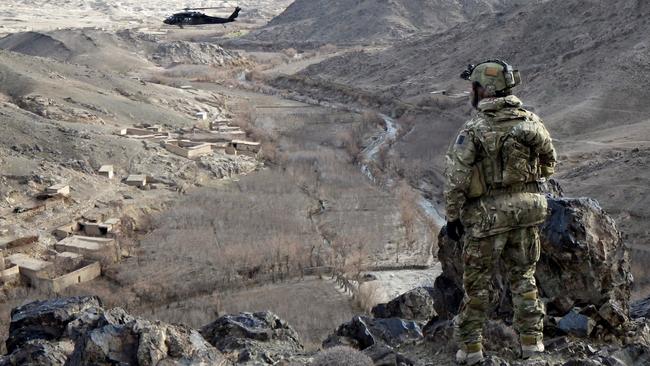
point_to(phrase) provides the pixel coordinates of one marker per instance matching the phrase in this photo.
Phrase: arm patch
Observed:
(461, 139)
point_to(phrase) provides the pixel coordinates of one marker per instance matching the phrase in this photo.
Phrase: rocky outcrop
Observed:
(584, 265)
(256, 338)
(363, 332)
(192, 53)
(416, 304)
(78, 331)
(47, 320)
(51, 109)
(584, 260)
(377, 338)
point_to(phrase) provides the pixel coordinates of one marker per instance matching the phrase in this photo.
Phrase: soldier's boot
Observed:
(530, 347)
(470, 354)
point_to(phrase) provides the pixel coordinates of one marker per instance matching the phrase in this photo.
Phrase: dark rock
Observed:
(39, 352)
(260, 337)
(556, 344)
(576, 324)
(637, 331)
(583, 362)
(416, 304)
(494, 361)
(583, 262)
(447, 295)
(640, 309)
(584, 258)
(384, 355)
(438, 329)
(46, 320)
(381, 311)
(78, 331)
(122, 339)
(362, 332)
(634, 354)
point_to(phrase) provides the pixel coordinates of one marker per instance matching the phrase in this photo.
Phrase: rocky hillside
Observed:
(554, 53)
(372, 21)
(122, 51)
(584, 74)
(589, 325)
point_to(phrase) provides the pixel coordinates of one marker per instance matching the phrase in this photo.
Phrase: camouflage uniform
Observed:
(492, 173)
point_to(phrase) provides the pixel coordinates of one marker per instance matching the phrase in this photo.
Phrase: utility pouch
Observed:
(546, 171)
(477, 186)
(516, 163)
(491, 215)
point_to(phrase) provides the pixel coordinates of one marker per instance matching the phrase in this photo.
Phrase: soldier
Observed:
(493, 171)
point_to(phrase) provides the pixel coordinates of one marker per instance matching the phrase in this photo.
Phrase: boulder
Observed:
(447, 290)
(46, 320)
(363, 332)
(39, 352)
(253, 337)
(384, 355)
(78, 331)
(583, 262)
(576, 324)
(640, 308)
(122, 339)
(416, 304)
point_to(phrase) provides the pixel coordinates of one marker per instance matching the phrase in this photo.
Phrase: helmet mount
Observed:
(495, 75)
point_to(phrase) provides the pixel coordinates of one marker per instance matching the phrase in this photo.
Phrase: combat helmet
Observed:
(494, 75)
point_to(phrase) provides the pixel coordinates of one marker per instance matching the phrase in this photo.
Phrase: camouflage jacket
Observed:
(478, 152)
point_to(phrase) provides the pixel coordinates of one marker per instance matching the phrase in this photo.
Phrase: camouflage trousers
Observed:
(519, 251)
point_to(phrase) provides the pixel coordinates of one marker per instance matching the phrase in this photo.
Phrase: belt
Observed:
(530, 187)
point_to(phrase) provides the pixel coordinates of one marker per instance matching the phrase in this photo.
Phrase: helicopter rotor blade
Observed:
(216, 7)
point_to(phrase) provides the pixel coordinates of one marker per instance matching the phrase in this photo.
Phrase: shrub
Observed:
(290, 52)
(341, 355)
(370, 294)
(327, 49)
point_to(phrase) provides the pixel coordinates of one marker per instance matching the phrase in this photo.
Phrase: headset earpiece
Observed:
(517, 77)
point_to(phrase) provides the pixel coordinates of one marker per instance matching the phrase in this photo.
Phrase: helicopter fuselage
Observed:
(198, 18)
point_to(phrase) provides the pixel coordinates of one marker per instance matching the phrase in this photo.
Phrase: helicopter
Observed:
(189, 16)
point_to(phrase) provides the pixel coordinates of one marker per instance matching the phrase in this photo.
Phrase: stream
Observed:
(370, 156)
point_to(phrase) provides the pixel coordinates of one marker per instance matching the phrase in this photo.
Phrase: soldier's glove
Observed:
(455, 230)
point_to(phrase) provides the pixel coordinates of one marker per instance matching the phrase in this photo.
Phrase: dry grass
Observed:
(312, 307)
(203, 73)
(353, 139)
(221, 238)
(312, 208)
(327, 49)
(290, 52)
(370, 294)
(408, 209)
(342, 355)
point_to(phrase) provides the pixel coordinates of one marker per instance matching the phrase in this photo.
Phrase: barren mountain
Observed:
(372, 21)
(585, 74)
(122, 51)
